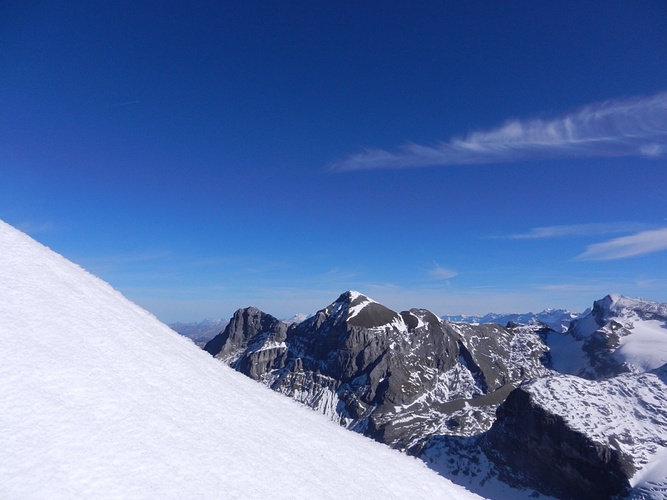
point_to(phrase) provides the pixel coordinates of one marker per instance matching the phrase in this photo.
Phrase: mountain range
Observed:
(578, 413)
(556, 319)
(101, 400)
(200, 332)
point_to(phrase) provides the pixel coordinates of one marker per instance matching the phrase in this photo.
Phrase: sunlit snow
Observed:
(646, 347)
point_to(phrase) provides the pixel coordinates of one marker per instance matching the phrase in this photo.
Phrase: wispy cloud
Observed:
(125, 103)
(438, 272)
(574, 230)
(627, 246)
(628, 127)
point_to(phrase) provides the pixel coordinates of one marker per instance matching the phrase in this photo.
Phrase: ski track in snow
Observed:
(101, 400)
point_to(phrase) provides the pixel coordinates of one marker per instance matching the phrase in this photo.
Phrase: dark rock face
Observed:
(577, 438)
(550, 455)
(259, 336)
(396, 377)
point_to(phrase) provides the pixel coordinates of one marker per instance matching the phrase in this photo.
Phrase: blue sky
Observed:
(465, 157)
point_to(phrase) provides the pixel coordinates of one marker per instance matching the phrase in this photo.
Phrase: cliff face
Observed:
(555, 458)
(576, 438)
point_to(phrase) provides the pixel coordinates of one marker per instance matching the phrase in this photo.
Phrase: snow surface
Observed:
(101, 400)
(646, 348)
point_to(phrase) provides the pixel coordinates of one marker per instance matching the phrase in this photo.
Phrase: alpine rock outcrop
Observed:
(397, 377)
(619, 334)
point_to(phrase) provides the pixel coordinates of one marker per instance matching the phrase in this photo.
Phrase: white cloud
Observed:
(564, 231)
(652, 150)
(627, 246)
(630, 127)
(441, 273)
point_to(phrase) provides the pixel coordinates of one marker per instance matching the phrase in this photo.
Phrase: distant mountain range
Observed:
(200, 332)
(203, 331)
(573, 413)
(557, 319)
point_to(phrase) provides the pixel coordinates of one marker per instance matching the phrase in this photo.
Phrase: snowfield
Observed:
(101, 400)
(646, 348)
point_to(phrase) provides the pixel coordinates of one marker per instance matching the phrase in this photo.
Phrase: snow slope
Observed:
(646, 348)
(101, 400)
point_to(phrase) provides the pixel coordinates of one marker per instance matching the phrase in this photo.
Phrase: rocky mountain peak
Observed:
(619, 305)
(619, 334)
(617, 311)
(356, 309)
(248, 327)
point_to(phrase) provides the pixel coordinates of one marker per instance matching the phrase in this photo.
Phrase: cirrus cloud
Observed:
(441, 273)
(574, 230)
(625, 127)
(624, 247)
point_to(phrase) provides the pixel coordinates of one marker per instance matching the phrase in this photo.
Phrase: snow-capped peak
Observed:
(354, 295)
(619, 305)
(624, 311)
(358, 302)
(297, 318)
(618, 334)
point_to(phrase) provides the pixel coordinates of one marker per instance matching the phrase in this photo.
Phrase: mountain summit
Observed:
(101, 400)
(619, 334)
(397, 377)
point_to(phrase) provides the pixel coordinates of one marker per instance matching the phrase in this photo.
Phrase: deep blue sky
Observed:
(466, 157)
